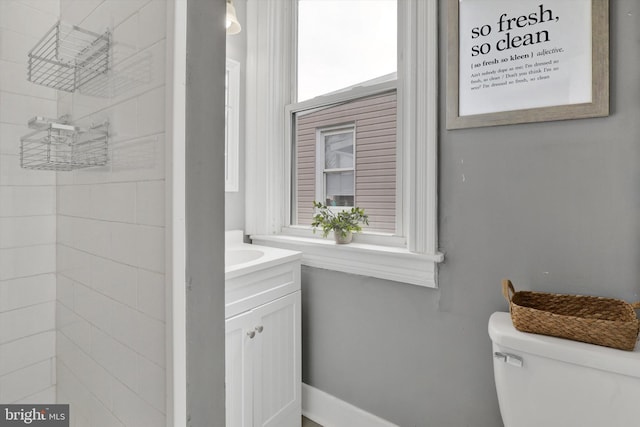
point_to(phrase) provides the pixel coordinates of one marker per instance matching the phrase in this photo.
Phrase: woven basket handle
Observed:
(508, 289)
(636, 305)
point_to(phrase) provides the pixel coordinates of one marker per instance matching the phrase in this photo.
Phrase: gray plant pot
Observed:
(342, 240)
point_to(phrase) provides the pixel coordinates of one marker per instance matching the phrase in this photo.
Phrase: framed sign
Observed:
(526, 61)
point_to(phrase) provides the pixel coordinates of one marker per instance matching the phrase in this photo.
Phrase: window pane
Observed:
(339, 189)
(344, 42)
(338, 152)
(369, 147)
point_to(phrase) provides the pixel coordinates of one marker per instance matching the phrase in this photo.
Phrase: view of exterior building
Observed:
(346, 156)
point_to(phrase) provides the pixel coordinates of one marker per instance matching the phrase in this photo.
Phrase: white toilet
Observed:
(551, 382)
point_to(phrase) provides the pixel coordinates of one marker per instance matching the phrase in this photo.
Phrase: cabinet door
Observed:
(277, 372)
(239, 349)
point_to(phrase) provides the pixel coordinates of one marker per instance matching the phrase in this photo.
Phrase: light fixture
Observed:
(233, 26)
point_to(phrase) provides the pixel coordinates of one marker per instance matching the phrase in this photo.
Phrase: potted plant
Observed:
(342, 222)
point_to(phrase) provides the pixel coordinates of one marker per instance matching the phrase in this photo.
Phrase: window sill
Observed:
(383, 262)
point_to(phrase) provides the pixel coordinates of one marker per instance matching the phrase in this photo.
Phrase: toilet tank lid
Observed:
(503, 333)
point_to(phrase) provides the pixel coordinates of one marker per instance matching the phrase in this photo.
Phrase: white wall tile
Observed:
(85, 104)
(99, 19)
(114, 202)
(19, 109)
(93, 236)
(13, 79)
(27, 231)
(125, 325)
(22, 201)
(151, 294)
(117, 227)
(47, 395)
(93, 307)
(72, 391)
(95, 175)
(117, 358)
(123, 124)
(65, 230)
(26, 351)
(152, 28)
(151, 112)
(124, 244)
(133, 410)
(121, 10)
(101, 416)
(65, 107)
(74, 327)
(52, 7)
(140, 159)
(19, 17)
(150, 248)
(25, 382)
(116, 280)
(125, 37)
(14, 46)
(27, 291)
(27, 261)
(92, 376)
(27, 321)
(135, 73)
(150, 203)
(151, 383)
(27, 216)
(76, 11)
(74, 264)
(74, 200)
(65, 291)
(151, 339)
(11, 173)
(10, 138)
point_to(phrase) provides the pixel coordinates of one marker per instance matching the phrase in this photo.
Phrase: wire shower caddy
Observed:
(68, 57)
(57, 145)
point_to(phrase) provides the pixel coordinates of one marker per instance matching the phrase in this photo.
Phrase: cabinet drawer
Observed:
(253, 289)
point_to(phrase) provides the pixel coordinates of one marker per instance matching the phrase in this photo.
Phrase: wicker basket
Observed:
(595, 320)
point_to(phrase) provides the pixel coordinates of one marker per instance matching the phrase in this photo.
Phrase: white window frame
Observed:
(321, 170)
(271, 88)
(232, 127)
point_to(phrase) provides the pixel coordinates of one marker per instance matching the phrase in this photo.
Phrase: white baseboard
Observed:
(329, 411)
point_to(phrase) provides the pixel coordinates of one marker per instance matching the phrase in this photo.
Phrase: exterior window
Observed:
(346, 156)
(342, 43)
(336, 158)
(344, 141)
(320, 106)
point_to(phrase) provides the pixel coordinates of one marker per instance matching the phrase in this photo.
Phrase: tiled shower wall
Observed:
(27, 216)
(110, 221)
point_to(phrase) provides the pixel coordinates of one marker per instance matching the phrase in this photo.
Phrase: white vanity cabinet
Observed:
(263, 347)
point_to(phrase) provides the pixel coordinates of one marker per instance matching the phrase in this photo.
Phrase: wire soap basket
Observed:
(57, 145)
(68, 57)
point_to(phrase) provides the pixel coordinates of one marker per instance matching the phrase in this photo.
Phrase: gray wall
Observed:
(237, 50)
(204, 213)
(553, 206)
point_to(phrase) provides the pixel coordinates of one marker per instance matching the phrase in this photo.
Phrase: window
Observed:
(342, 43)
(293, 129)
(335, 161)
(345, 155)
(343, 46)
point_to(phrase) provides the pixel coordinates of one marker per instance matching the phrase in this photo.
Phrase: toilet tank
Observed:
(544, 381)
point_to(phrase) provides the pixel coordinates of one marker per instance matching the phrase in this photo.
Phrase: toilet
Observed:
(545, 381)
